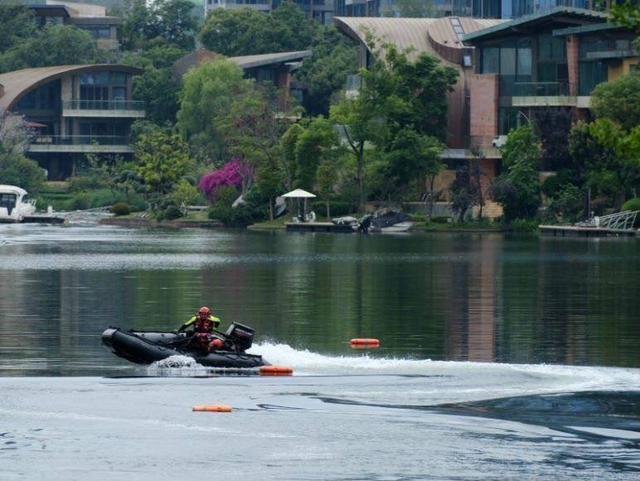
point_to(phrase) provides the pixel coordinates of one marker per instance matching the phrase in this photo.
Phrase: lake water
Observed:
(502, 357)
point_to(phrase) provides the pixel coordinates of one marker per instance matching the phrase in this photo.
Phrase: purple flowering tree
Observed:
(236, 173)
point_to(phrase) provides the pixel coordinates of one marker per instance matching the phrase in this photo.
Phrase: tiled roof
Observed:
(575, 13)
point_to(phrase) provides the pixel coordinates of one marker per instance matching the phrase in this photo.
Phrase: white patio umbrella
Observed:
(300, 194)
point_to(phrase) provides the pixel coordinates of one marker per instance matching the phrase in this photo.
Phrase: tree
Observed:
(156, 86)
(208, 93)
(618, 101)
(253, 130)
(245, 31)
(55, 45)
(627, 14)
(617, 173)
(464, 191)
(333, 59)
(313, 146)
(15, 168)
(518, 189)
(18, 25)
(162, 159)
(170, 20)
(401, 102)
(552, 126)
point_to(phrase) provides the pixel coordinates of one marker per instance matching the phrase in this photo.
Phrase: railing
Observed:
(624, 220)
(137, 105)
(540, 89)
(81, 140)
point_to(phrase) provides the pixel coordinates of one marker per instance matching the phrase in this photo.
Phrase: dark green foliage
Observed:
(120, 208)
(566, 204)
(21, 171)
(552, 126)
(618, 101)
(464, 191)
(338, 208)
(632, 204)
(245, 31)
(18, 25)
(253, 211)
(169, 20)
(334, 58)
(524, 226)
(172, 212)
(55, 45)
(518, 188)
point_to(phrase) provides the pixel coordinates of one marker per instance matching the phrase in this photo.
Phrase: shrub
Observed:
(80, 201)
(120, 208)
(632, 204)
(236, 217)
(172, 212)
(441, 220)
(338, 208)
(524, 225)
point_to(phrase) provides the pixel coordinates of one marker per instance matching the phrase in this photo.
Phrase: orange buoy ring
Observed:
(364, 343)
(220, 408)
(275, 371)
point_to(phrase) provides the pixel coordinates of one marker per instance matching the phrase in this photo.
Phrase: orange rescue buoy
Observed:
(220, 408)
(276, 371)
(364, 343)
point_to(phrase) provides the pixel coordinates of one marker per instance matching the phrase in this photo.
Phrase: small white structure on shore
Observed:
(301, 194)
(15, 204)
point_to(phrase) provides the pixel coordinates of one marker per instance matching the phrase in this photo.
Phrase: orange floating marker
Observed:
(276, 371)
(220, 408)
(364, 343)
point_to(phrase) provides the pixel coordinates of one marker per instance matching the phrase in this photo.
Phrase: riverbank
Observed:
(193, 220)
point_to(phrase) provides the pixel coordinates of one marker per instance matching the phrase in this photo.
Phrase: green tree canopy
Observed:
(207, 97)
(15, 168)
(518, 188)
(334, 58)
(18, 25)
(162, 159)
(245, 31)
(55, 45)
(170, 20)
(618, 100)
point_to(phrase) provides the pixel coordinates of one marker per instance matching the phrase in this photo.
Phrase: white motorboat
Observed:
(15, 204)
(399, 227)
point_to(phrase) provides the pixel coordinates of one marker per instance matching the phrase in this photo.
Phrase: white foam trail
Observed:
(472, 374)
(177, 366)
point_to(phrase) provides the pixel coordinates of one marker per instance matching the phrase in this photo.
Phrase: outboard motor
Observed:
(240, 335)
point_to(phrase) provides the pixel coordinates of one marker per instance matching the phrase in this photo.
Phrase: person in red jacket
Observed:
(200, 327)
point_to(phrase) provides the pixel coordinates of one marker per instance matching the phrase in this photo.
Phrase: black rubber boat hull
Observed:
(147, 348)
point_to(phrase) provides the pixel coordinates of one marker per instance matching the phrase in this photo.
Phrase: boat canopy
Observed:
(12, 189)
(299, 194)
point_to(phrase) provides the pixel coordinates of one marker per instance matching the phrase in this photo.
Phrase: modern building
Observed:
(276, 68)
(320, 10)
(74, 110)
(548, 60)
(507, 70)
(88, 17)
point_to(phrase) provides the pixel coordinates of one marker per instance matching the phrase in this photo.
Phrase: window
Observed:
(490, 60)
(98, 31)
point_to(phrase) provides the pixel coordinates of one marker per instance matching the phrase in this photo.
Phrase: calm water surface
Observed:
(441, 297)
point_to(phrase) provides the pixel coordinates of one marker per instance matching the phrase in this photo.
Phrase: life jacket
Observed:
(205, 326)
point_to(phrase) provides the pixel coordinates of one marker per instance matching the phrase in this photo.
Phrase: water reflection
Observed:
(458, 297)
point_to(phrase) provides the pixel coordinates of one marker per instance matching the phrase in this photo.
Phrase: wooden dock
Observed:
(318, 227)
(576, 231)
(43, 219)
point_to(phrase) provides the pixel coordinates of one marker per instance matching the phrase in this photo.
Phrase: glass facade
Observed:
(46, 97)
(103, 86)
(512, 60)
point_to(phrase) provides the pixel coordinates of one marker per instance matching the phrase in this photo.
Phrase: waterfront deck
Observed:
(575, 231)
(318, 227)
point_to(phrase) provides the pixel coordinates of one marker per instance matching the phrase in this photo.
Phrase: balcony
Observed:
(541, 94)
(103, 108)
(99, 144)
